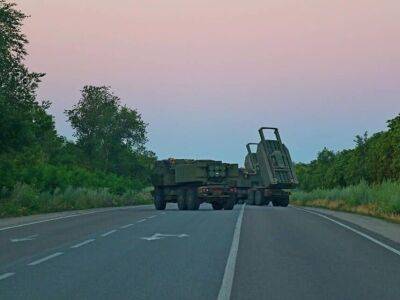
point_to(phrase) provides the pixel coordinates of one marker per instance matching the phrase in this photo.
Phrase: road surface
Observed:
(248, 253)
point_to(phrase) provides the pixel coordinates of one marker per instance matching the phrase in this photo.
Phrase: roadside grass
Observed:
(24, 200)
(381, 200)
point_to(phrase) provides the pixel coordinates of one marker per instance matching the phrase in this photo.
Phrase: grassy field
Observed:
(26, 201)
(381, 200)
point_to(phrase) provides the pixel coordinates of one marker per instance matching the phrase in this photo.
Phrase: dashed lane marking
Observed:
(82, 244)
(72, 216)
(108, 233)
(126, 226)
(6, 275)
(39, 261)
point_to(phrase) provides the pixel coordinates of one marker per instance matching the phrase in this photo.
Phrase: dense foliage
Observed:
(109, 156)
(365, 179)
(378, 200)
(374, 159)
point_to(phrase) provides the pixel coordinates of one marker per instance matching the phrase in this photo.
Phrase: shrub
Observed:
(385, 196)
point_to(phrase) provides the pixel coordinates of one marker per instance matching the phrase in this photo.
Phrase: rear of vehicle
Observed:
(274, 162)
(268, 172)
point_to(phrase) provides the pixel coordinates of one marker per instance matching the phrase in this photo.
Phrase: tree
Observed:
(109, 134)
(373, 160)
(24, 122)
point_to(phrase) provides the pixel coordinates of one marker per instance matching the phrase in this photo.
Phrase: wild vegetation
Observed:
(41, 171)
(365, 179)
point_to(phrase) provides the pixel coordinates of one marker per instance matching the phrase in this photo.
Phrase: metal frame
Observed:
(278, 138)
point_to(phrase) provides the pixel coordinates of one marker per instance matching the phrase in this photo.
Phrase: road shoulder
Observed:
(5, 223)
(386, 229)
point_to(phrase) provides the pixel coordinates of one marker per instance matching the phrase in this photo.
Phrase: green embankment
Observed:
(26, 201)
(380, 200)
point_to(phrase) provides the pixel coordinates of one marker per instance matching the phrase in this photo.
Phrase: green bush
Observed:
(386, 196)
(25, 200)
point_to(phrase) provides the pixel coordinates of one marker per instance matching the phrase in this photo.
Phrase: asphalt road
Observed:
(248, 253)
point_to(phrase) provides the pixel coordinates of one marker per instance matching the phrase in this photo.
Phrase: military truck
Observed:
(189, 183)
(268, 172)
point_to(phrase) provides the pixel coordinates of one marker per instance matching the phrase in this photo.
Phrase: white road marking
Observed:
(82, 244)
(159, 236)
(39, 261)
(6, 275)
(151, 217)
(140, 221)
(108, 233)
(227, 281)
(368, 237)
(72, 216)
(24, 239)
(126, 226)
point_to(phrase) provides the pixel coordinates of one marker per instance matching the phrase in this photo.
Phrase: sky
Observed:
(205, 75)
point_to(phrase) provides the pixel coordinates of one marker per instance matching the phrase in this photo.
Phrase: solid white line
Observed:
(108, 233)
(151, 217)
(39, 261)
(227, 281)
(140, 221)
(126, 226)
(71, 216)
(6, 275)
(368, 237)
(83, 243)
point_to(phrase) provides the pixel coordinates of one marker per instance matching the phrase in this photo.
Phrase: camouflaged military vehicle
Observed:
(268, 172)
(191, 182)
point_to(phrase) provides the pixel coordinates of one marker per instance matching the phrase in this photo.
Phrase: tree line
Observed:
(109, 149)
(373, 160)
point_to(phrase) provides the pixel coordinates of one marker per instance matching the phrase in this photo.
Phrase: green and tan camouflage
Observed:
(190, 182)
(268, 172)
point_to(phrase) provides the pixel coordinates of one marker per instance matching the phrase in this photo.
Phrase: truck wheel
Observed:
(235, 199)
(216, 205)
(192, 202)
(250, 197)
(259, 198)
(159, 200)
(284, 201)
(229, 203)
(181, 200)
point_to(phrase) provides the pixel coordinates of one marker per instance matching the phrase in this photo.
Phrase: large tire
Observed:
(217, 205)
(159, 200)
(250, 197)
(192, 202)
(181, 200)
(284, 201)
(235, 199)
(276, 201)
(259, 198)
(280, 201)
(229, 203)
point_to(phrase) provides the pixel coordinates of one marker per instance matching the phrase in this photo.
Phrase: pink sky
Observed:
(206, 74)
